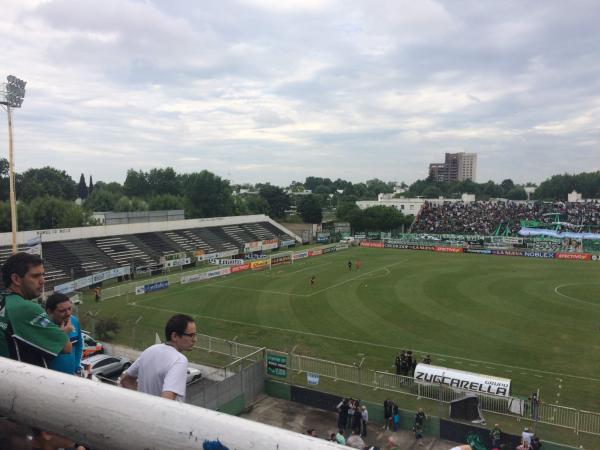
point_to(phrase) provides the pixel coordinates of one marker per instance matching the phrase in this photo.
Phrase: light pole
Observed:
(14, 94)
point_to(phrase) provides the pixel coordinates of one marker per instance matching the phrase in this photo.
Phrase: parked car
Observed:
(105, 366)
(90, 345)
(193, 375)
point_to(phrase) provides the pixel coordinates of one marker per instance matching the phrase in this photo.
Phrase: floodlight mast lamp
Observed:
(13, 98)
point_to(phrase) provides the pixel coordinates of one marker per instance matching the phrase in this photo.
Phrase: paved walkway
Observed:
(296, 417)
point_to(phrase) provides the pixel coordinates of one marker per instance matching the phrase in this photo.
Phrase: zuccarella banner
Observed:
(466, 381)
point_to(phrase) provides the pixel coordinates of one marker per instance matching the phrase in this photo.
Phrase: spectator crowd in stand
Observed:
(483, 218)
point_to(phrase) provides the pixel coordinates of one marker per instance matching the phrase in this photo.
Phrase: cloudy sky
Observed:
(277, 90)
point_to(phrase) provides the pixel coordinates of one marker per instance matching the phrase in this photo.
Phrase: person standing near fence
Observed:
(420, 418)
(364, 421)
(496, 435)
(161, 370)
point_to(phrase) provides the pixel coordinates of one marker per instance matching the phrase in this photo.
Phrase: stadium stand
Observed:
(216, 238)
(67, 259)
(53, 273)
(159, 243)
(269, 229)
(122, 251)
(189, 241)
(238, 235)
(486, 218)
(80, 256)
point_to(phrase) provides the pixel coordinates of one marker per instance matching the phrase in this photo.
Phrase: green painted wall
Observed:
(278, 390)
(375, 411)
(235, 406)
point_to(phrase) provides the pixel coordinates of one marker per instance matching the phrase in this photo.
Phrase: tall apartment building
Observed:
(457, 167)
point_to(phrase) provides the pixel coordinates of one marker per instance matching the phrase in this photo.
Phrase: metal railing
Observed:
(556, 415)
(224, 347)
(561, 416)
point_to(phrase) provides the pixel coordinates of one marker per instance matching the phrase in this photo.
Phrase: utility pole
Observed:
(14, 93)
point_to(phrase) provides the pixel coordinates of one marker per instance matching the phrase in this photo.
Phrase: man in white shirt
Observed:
(526, 436)
(161, 370)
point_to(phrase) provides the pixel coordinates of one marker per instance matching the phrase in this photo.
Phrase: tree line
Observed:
(555, 188)
(50, 198)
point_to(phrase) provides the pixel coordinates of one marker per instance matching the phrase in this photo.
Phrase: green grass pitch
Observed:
(536, 322)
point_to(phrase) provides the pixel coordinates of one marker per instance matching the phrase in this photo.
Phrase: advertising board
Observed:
(371, 244)
(459, 379)
(226, 262)
(254, 246)
(260, 264)
(300, 255)
(478, 251)
(448, 249)
(207, 256)
(92, 279)
(277, 365)
(574, 256)
(270, 244)
(192, 278)
(177, 262)
(546, 255)
(240, 268)
(507, 252)
(283, 259)
(218, 272)
(151, 287)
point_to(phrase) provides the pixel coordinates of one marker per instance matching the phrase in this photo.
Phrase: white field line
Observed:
(372, 344)
(306, 268)
(356, 278)
(557, 291)
(222, 284)
(262, 291)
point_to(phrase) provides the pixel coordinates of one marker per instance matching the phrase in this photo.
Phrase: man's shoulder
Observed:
(16, 303)
(165, 349)
(156, 348)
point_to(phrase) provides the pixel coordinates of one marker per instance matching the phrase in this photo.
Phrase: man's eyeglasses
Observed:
(192, 335)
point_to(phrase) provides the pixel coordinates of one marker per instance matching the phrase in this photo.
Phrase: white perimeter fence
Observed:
(577, 420)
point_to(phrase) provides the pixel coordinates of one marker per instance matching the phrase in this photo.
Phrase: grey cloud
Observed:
(382, 89)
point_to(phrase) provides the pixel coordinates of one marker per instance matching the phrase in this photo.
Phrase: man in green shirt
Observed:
(26, 332)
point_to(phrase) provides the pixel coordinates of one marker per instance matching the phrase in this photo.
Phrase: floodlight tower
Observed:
(12, 97)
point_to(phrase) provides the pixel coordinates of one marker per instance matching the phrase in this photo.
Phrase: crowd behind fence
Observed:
(556, 415)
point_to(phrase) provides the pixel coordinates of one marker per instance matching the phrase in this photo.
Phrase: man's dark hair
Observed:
(19, 263)
(177, 324)
(55, 299)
